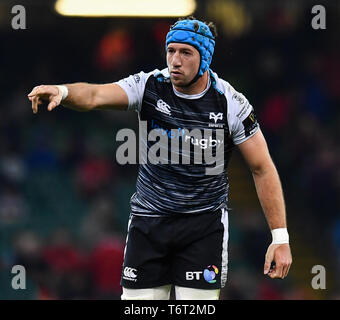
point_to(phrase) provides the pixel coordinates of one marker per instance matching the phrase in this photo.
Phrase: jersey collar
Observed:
(192, 96)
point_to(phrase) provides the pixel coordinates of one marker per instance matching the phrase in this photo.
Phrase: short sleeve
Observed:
(242, 119)
(134, 86)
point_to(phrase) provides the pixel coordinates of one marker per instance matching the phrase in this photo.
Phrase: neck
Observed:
(196, 87)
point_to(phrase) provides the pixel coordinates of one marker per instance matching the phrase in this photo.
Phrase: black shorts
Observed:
(188, 251)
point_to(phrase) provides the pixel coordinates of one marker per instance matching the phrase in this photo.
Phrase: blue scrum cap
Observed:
(202, 39)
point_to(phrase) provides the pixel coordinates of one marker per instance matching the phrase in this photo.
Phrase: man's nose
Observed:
(176, 60)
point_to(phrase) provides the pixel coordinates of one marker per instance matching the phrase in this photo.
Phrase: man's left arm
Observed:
(269, 191)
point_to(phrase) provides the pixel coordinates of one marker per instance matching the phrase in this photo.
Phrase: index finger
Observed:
(35, 101)
(44, 90)
(34, 91)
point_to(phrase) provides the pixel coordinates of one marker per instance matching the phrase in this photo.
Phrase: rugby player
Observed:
(178, 226)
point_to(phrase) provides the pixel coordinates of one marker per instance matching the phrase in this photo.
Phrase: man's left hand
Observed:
(279, 254)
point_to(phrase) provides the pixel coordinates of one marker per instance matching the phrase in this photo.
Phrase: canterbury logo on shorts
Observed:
(130, 274)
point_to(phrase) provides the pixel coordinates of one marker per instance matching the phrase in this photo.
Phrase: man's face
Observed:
(183, 62)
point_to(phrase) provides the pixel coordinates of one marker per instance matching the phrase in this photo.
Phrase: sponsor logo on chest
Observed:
(163, 107)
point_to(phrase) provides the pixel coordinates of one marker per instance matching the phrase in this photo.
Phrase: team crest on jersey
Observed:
(216, 116)
(163, 107)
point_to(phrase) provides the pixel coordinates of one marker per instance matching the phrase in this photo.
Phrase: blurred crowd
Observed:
(64, 201)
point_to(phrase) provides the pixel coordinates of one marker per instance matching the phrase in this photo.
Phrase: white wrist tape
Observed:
(64, 91)
(280, 236)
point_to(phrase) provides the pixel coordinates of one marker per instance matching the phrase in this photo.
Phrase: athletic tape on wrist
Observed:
(64, 91)
(280, 236)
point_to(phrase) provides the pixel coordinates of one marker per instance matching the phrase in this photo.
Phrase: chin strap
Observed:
(197, 76)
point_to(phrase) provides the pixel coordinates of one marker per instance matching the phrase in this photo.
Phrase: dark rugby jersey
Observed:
(222, 118)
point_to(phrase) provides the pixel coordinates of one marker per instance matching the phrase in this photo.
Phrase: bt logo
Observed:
(209, 274)
(193, 275)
